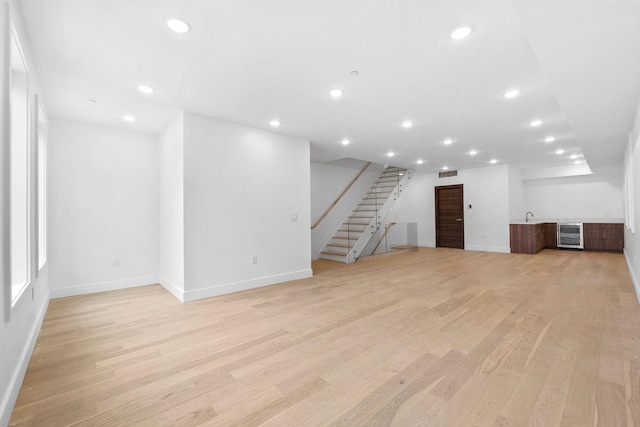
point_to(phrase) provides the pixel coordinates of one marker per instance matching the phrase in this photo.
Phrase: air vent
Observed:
(447, 174)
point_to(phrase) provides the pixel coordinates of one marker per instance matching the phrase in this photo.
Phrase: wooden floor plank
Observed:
(430, 337)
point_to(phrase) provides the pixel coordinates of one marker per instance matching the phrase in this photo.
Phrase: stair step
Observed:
(351, 231)
(333, 256)
(333, 253)
(361, 216)
(340, 245)
(383, 186)
(355, 223)
(337, 251)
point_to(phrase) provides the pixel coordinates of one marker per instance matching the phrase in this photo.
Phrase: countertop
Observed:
(571, 221)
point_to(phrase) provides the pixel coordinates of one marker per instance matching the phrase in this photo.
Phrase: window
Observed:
(629, 187)
(19, 198)
(41, 131)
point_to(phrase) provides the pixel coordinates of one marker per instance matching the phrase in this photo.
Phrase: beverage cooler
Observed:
(570, 235)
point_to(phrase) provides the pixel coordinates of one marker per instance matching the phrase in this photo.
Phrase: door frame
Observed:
(437, 223)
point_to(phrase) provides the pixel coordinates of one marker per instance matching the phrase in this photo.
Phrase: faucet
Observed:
(526, 216)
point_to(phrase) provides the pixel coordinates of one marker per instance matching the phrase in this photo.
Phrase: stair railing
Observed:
(353, 181)
(384, 235)
(390, 183)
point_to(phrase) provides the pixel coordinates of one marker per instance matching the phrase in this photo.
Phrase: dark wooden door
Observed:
(449, 217)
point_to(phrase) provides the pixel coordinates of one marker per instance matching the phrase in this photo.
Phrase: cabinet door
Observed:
(523, 238)
(590, 231)
(540, 237)
(603, 237)
(551, 235)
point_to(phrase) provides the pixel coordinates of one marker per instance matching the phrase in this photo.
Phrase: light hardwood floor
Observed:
(437, 337)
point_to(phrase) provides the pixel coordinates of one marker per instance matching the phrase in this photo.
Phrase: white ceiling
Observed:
(577, 63)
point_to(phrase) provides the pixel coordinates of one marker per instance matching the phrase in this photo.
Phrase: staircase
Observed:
(354, 233)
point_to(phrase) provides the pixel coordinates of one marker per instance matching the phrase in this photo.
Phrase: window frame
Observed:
(41, 142)
(16, 295)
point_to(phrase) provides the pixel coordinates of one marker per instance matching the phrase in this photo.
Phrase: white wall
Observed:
(241, 188)
(587, 198)
(19, 325)
(486, 224)
(327, 182)
(632, 238)
(516, 194)
(171, 211)
(103, 192)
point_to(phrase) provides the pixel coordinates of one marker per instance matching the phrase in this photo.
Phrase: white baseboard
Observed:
(499, 249)
(13, 388)
(228, 288)
(92, 288)
(173, 289)
(634, 279)
(427, 244)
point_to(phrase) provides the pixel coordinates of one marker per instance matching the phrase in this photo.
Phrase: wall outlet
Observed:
(254, 259)
(294, 217)
(116, 262)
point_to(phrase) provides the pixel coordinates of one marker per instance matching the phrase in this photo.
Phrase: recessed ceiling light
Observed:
(493, 161)
(407, 124)
(444, 168)
(473, 152)
(336, 93)
(178, 25)
(448, 142)
(577, 162)
(535, 123)
(573, 156)
(420, 162)
(511, 93)
(461, 32)
(355, 73)
(146, 89)
(549, 139)
(128, 118)
(560, 151)
(345, 142)
(391, 154)
(275, 123)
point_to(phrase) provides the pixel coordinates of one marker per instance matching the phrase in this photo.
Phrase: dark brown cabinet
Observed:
(532, 238)
(603, 237)
(527, 238)
(551, 235)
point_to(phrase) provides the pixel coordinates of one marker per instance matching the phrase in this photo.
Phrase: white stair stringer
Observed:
(368, 216)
